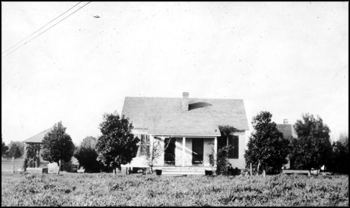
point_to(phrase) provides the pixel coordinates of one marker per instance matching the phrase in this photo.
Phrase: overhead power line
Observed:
(18, 47)
(39, 29)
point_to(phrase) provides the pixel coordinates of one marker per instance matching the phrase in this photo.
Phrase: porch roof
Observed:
(164, 116)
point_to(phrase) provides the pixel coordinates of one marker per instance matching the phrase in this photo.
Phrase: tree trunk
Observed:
(251, 169)
(59, 166)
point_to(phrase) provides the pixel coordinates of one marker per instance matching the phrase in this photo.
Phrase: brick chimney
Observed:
(285, 121)
(185, 101)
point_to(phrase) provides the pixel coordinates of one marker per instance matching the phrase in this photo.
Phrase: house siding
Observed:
(178, 152)
(208, 150)
(188, 150)
(240, 162)
(159, 161)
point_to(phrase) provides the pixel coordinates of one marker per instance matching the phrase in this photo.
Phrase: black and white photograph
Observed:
(175, 103)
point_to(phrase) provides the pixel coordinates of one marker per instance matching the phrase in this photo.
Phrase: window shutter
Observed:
(236, 147)
(148, 151)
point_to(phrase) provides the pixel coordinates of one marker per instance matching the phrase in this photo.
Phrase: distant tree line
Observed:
(116, 146)
(268, 149)
(14, 149)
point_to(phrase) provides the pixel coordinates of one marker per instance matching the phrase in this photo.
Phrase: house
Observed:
(289, 133)
(36, 160)
(185, 131)
(287, 130)
(36, 142)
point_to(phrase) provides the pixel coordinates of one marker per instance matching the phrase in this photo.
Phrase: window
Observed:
(233, 142)
(144, 145)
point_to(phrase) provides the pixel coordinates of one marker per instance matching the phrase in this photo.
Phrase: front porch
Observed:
(185, 154)
(167, 152)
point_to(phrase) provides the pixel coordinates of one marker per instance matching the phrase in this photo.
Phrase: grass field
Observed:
(104, 189)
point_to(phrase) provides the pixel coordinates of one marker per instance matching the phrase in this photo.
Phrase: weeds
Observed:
(103, 189)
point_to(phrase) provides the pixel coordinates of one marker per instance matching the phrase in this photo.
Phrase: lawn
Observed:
(6, 164)
(104, 189)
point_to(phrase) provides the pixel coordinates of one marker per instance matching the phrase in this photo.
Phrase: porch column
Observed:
(25, 156)
(151, 140)
(38, 162)
(183, 151)
(215, 149)
(25, 150)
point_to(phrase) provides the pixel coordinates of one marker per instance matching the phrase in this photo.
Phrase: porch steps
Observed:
(183, 170)
(182, 173)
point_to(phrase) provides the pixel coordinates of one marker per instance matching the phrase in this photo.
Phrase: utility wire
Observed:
(43, 31)
(38, 29)
(338, 72)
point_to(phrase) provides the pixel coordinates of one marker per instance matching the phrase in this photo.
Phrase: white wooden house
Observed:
(186, 130)
(37, 142)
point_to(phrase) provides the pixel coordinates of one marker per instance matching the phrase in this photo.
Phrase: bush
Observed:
(222, 161)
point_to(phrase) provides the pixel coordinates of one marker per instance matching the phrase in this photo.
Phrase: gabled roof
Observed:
(287, 130)
(37, 138)
(164, 116)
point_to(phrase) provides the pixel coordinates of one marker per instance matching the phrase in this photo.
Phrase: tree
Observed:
(16, 149)
(313, 148)
(87, 155)
(57, 145)
(156, 151)
(4, 149)
(340, 158)
(266, 147)
(117, 145)
(32, 158)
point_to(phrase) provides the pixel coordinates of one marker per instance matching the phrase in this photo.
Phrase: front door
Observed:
(169, 151)
(197, 151)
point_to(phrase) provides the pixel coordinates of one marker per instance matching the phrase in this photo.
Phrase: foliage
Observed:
(57, 145)
(344, 139)
(32, 150)
(340, 157)
(313, 148)
(16, 149)
(223, 149)
(225, 133)
(266, 147)
(156, 151)
(4, 149)
(222, 162)
(227, 130)
(149, 190)
(117, 145)
(87, 155)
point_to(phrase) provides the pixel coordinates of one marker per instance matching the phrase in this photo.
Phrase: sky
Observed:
(288, 58)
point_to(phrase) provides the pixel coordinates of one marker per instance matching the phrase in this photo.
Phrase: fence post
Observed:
(251, 169)
(13, 165)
